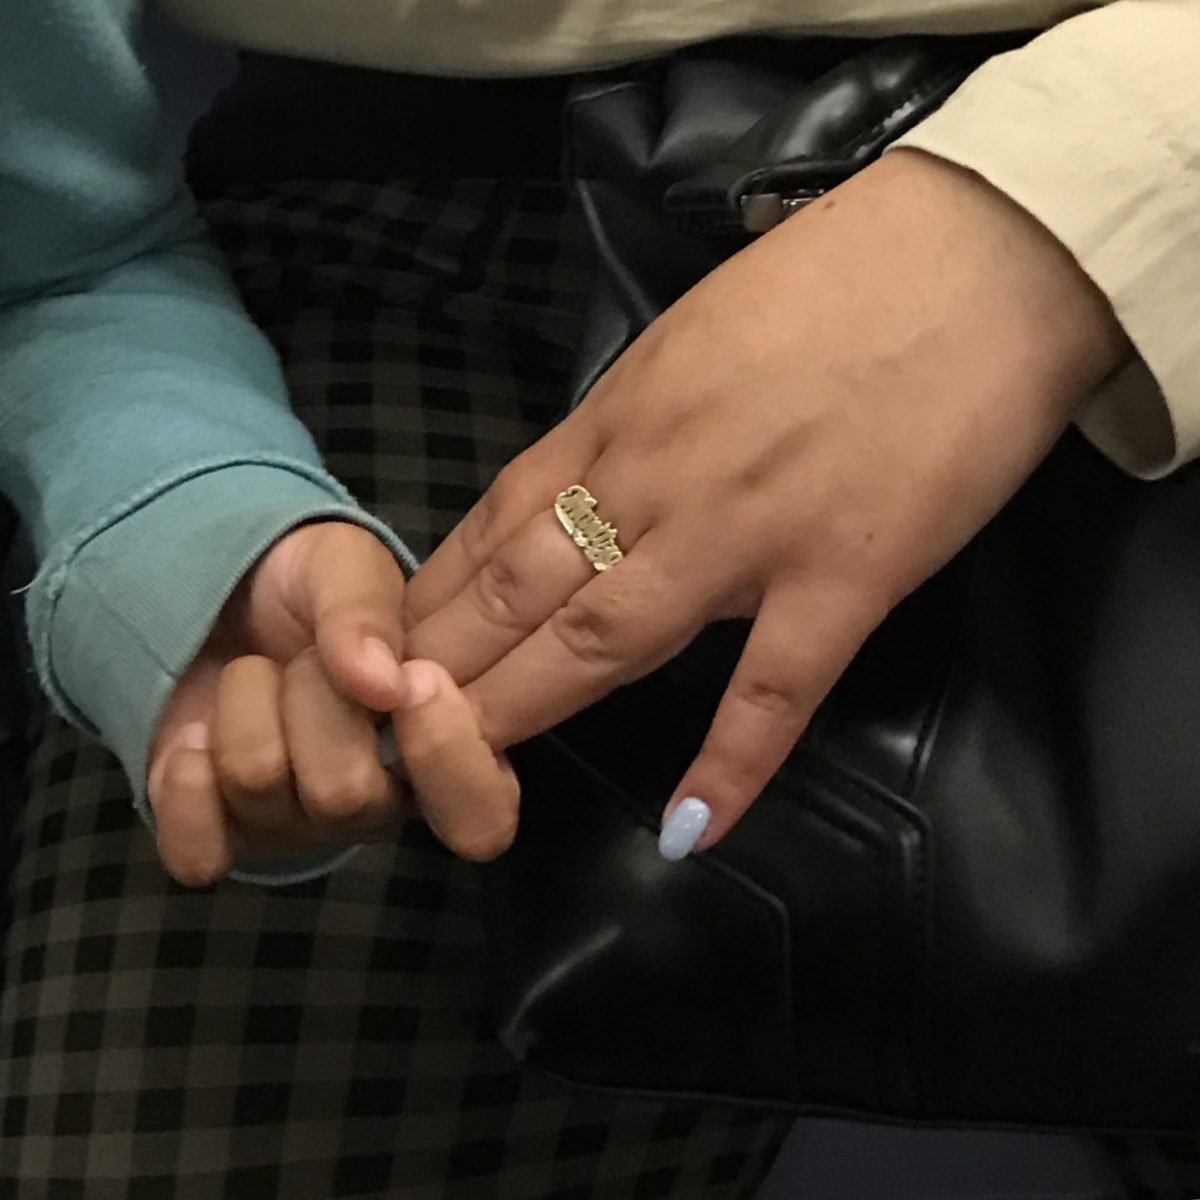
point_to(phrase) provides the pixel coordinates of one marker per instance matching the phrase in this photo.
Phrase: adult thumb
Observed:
(354, 591)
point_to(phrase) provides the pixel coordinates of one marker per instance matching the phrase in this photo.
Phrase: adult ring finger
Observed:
(519, 585)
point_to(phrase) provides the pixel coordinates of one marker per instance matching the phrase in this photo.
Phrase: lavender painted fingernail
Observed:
(683, 829)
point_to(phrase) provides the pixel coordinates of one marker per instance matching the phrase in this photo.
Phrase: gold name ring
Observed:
(576, 512)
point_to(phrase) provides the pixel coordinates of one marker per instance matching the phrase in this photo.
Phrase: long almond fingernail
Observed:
(684, 828)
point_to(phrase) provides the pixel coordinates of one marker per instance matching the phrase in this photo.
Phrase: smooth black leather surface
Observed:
(973, 893)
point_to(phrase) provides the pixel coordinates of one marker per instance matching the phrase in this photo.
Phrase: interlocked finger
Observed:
(343, 789)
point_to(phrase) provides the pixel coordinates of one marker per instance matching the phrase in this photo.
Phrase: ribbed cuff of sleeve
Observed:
(118, 615)
(1094, 129)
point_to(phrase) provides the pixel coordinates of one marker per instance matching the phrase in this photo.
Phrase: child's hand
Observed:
(268, 746)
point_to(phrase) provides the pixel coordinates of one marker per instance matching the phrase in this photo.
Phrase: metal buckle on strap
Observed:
(764, 210)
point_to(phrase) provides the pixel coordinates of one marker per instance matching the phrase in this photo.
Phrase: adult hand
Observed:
(804, 438)
(268, 745)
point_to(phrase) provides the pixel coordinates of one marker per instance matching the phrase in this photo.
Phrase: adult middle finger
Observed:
(617, 628)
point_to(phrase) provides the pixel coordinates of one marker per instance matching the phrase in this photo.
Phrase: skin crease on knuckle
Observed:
(497, 590)
(590, 627)
(355, 793)
(257, 768)
(774, 697)
(307, 662)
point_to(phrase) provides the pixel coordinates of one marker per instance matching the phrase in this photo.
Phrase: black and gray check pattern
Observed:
(326, 1040)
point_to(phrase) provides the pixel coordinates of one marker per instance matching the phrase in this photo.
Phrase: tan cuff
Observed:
(1094, 129)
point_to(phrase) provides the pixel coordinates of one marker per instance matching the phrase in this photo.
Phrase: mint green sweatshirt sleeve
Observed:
(145, 434)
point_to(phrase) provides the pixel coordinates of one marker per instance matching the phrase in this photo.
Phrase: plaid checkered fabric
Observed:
(326, 1040)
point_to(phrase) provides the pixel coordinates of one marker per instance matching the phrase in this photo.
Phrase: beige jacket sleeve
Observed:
(1094, 128)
